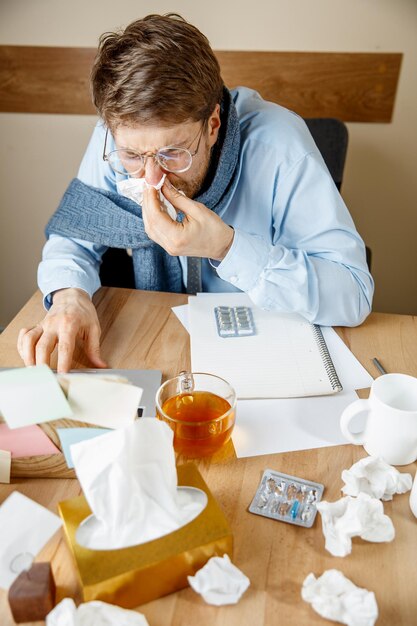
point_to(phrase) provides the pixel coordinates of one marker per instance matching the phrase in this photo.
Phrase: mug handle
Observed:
(351, 411)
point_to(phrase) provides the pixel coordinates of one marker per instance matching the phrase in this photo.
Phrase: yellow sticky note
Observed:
(5, 465)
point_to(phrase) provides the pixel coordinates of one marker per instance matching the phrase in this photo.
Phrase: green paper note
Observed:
(31, 395)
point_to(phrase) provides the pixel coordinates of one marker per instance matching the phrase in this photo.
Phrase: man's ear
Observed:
(214, 124)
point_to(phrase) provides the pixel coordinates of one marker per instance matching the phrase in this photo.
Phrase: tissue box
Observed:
(132, 576)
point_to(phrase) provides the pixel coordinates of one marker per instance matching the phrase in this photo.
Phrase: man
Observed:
(253, 197)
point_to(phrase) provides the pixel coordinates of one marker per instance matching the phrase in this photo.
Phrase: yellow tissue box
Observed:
(132, 576)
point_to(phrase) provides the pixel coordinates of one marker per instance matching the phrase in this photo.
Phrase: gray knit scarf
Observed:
(107, 218)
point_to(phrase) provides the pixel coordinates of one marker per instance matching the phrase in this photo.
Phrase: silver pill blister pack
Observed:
(234, 321)
(287, 498)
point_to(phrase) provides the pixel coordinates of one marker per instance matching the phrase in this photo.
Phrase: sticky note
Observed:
(69, 436)
(31, 395)
(5, 466)
(101, 402)
(28, 526)
(26, 441)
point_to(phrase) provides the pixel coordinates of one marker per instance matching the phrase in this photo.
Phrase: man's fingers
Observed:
(92, 347)
(44, 348)
(181, 202)
(66, 345)
(26, 343)
(151, 211)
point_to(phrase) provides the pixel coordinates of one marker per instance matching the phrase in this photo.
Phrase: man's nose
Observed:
(153, 172)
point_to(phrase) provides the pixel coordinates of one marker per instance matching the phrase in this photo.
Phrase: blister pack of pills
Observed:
(234, 321)
(287, 498)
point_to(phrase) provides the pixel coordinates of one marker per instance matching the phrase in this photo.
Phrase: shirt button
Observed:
(233, 279)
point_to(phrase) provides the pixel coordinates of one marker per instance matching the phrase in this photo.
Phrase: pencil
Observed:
(378, 366)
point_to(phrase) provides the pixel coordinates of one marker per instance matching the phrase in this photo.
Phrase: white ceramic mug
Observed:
(413, 496)
(390, 429)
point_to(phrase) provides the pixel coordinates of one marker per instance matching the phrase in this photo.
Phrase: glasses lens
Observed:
(125, 162)
(175, 159)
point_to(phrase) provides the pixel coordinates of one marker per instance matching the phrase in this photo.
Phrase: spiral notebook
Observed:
(287, 357)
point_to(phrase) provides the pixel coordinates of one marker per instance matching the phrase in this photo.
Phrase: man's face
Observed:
(150, 138)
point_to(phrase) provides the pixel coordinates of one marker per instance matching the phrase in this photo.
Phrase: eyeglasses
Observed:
(170, 158)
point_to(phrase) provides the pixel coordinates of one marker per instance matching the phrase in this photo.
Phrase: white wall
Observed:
(40, 153)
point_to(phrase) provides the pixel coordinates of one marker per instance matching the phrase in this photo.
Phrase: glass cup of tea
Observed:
(200, 408)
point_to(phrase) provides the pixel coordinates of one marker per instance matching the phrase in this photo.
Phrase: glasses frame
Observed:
(154, 155)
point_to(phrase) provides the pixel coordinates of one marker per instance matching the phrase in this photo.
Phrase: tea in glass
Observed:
(200, 409)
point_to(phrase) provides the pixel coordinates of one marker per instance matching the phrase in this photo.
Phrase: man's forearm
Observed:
(68, 264)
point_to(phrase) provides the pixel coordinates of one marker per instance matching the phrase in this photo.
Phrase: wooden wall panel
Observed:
(354, 87)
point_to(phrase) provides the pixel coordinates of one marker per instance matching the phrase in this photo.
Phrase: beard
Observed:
(192, 186)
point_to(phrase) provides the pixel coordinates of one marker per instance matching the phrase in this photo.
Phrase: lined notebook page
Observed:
(282, 360)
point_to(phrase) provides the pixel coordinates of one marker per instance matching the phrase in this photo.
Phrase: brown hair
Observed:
(159, 69)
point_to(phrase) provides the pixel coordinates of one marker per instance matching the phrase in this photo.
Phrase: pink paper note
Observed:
(26, 441)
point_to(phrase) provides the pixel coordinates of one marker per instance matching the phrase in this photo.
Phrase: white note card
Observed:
(282, 360)
(103, 403)
(25, 527)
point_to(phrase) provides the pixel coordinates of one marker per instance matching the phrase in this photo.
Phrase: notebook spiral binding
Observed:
(327, 359)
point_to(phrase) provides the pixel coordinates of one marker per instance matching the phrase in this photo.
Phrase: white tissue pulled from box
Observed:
(95, 613)
(374, 476)
(101, 400)
(129, 479)
(133, 189)
(353, 517)
(219, 581)
(335, 597)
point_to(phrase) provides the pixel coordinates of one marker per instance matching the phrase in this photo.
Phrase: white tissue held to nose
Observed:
(133, 189)
(335, 597)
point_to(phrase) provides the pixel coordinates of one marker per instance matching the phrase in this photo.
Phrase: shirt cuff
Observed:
(245, 261)
(66, 280)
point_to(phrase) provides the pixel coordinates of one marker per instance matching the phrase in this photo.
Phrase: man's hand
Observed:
(71, 316)
(202, 233)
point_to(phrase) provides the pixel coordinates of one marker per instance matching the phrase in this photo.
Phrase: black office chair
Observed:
(116, 269)
(331, 137)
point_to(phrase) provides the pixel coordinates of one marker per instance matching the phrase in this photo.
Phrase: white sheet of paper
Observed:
(5, 465)
(31, 395)
(103, 403)
(25, 527)
(283, 359)
(181, 312)
(351, 373)
(283, 425)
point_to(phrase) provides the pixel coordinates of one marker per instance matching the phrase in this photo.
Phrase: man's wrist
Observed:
(68, 293)
(228, 244)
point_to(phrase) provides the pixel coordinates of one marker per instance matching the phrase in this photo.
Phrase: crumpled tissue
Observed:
(335, 597)
(219, 581)
(374, 476)
(353, 517)
(129, 479)
(93, 613)
(133, 189)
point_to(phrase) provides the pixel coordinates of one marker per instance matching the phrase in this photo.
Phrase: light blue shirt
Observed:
(295, 246)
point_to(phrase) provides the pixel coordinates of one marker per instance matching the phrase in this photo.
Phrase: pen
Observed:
(378, 366)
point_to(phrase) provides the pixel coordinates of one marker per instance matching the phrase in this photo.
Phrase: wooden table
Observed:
(140, 331)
